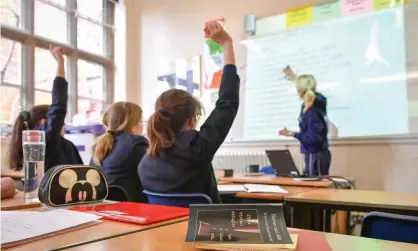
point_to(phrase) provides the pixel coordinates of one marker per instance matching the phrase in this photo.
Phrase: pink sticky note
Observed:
(350, 7)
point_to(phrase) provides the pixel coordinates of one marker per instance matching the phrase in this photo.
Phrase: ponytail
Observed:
(308, 99)
(16, 149)
(160, 133)
(102, 146)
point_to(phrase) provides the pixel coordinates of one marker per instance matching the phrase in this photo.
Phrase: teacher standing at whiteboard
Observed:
(313, 125)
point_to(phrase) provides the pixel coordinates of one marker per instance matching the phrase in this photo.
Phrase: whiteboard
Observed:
(366, 65)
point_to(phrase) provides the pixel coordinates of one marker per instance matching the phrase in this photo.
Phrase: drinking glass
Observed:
(33, 162)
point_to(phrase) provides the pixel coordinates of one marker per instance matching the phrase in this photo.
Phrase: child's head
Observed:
(120, 117)
(175, 110)
(34, 119)
(306, 87)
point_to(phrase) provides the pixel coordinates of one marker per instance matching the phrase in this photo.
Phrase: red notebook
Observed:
(136, 213)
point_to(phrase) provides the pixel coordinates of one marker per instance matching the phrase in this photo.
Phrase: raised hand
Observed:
(217, 33)
(57, 53)
(289, 74)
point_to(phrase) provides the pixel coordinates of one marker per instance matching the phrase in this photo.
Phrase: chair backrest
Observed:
(391, 227)
(177, 199)
(268, 170)
(117, 193)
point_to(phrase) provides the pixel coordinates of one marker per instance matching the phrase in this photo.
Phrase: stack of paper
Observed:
(231, 188)
(18, 227)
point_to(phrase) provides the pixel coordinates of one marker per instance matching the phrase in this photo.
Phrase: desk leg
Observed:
(292, 216)
(327, 220)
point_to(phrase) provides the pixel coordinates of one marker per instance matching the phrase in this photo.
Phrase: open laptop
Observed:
(282, 162)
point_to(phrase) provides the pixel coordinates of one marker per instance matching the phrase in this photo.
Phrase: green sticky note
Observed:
(214, 47)
(384, 4)
(324, 12)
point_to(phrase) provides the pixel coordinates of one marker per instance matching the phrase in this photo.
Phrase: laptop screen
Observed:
(282, 162)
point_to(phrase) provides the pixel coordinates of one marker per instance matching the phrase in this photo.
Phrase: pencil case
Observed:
(67, 185)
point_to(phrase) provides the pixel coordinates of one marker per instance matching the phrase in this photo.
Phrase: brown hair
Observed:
(172, 109)
(120, 117)
(27, 120)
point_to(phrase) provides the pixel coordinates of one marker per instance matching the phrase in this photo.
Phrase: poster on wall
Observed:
(184, 74)
(212, 70)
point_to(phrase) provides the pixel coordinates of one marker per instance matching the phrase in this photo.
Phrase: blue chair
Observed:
(391, 227)
(268, 170)
(177, 199)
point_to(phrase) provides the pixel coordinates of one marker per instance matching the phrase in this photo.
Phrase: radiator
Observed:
(238, 161)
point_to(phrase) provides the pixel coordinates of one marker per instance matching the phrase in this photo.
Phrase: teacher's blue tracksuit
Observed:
(313, 137)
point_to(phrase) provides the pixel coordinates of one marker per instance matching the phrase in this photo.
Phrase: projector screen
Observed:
(366, 65)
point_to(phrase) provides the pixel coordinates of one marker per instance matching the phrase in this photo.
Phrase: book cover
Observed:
(136, 213)
(238, 223)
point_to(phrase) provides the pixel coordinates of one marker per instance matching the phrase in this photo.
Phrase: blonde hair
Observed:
(307, 85)
(120, 117)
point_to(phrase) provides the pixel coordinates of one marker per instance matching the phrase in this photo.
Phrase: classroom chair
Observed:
(117, 193)
(177, 199)
(268, 170)
(391, 227)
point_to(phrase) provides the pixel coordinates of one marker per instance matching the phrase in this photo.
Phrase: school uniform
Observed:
(120, 165)
(58, 150)
(313, 137)
(186, 166)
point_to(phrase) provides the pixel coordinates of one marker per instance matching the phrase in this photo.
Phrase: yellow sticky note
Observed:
(299, 17)
(385, 4)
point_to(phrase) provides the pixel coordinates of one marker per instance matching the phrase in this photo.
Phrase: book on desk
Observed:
(135, 213)
(239, 227)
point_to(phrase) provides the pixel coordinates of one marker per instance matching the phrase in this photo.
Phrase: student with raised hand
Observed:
(119, 151)
(48, 118)
(313, 132)
(179, 157)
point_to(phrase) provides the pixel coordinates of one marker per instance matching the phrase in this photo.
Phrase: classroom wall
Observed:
(159, 31)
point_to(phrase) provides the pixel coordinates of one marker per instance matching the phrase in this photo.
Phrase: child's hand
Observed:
(217, 33)
(56, 52)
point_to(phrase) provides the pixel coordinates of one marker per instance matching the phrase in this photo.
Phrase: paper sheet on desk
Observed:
(256, 188)
(20, 226)
(251, 188)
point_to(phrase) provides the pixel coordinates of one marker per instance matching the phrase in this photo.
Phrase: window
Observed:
(45, 69)
(81, 28)
(51, 21)
(90, 80)
(10, 77)
(43, 98)
(10, 12)
(89, 36)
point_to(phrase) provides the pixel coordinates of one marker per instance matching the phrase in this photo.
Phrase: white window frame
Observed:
(29, 41)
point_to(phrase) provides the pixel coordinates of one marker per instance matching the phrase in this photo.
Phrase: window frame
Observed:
(29, 41)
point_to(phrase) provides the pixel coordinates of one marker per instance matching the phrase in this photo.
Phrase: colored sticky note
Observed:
(351, 7)
(323, 12)
(270, 25)
(384, 4)
(299, 17)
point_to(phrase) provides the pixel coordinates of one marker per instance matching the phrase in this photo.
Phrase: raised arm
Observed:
(58, 109)
(216, 127)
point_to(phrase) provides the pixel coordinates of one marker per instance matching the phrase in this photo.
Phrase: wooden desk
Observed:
(358, 200)
(17, 203)
(172, 238)
(99, 232)
(274, 180)
(13, 174)
(275, 196)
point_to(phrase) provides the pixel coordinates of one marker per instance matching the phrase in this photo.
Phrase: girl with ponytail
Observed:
(313, 132)
(179, 157)
(119, 151)
(48, 118)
